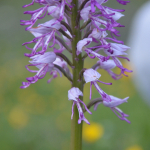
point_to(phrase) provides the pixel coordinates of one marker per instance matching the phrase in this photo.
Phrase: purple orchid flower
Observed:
(62, 64)
(108, 66)
(73, 94)
(111, 49)
(44, 33)
(35, 15)
(54, 7)
(110, 15)
(81, 46)
(92, 76)
(113, 106)
(44, 63)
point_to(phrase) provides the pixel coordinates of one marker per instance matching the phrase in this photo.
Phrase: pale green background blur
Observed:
(38, 118)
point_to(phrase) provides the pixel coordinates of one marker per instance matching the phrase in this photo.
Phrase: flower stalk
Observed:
(76, 129)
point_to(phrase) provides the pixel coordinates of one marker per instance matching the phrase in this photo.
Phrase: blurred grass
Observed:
(38, 118)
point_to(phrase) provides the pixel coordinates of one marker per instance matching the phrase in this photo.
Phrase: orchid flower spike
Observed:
(61, 33)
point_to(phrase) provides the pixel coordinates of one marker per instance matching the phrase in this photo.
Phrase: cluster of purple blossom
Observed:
(97, 21)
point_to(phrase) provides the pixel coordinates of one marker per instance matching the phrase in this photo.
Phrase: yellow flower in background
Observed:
(18, 118)
(92, 132)
(135, 147)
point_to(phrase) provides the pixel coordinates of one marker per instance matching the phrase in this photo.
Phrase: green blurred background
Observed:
(38, 118)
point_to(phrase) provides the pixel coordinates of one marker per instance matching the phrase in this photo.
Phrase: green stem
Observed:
(76, 129)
